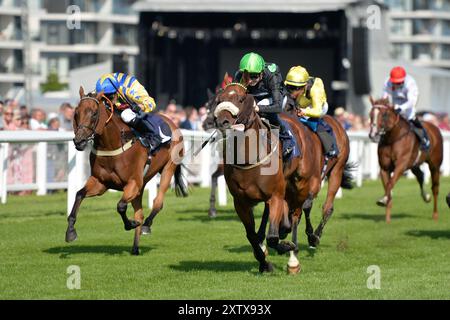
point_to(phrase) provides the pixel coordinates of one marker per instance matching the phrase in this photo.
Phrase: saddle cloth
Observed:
(158, 131)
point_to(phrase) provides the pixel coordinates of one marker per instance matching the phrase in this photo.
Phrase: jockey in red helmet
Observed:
(402, 90)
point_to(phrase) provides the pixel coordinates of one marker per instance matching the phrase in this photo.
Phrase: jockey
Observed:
(402, 90)
(311, 102)
(266, 87)
(127, 94)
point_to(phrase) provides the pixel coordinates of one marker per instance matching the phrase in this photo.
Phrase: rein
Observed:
(104, 153)
(383, 132)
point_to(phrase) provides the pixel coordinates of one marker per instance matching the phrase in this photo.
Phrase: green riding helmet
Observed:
(252, 63)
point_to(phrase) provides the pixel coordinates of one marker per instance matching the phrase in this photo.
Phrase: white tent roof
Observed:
(241, 6)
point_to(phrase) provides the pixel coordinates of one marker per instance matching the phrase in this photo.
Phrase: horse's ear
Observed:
(81, 92)
(226, 79)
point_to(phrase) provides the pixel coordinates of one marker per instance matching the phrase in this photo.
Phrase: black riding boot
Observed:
(421, 133)
(328, 139)
(285, 138)
(151, 139)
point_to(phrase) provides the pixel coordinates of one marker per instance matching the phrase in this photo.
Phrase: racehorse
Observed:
(294, 182)
(399, 150)
(118, 161)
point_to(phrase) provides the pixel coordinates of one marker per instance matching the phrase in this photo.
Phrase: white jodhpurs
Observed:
(128, 115)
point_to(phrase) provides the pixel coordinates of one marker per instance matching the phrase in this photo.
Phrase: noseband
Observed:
(96, 117)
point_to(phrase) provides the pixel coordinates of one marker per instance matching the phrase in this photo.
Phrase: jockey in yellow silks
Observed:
(311, 104)
(128, 95)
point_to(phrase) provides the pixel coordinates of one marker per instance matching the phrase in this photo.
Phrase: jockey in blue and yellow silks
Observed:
(123, 89)
(311, 104)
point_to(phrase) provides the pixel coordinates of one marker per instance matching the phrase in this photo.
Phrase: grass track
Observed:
(189, 256)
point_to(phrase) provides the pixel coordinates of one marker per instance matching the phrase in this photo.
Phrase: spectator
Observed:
(37, 120)
(24, 111)
(341, 116)
(357, 123)
(202, 113)
(1, 115)
(430, 117)
(170, 111)
(8, 118)
(444, 121)
(66, 113)
(191, 122)
(54, 123)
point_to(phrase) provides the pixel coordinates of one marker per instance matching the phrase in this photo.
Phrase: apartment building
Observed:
(65, 35)
(420, 31)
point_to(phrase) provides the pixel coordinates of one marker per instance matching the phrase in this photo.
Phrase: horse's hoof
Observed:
(135, 251)
(313, 240)
(427, 198)
(212, 213)
(435, 216)
(71, 235)
(267, 267)
(293, 269)
(132, 225)
(382, 202)
(146, 230)
(285, 246)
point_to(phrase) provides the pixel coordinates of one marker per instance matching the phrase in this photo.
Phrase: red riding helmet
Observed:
(398, 75)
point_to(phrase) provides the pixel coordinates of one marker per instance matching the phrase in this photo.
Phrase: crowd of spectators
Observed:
(355, 122)
(21, 157)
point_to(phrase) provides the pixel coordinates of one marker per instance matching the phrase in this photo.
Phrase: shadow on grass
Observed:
(69, 250)
(226, 266)
(433, 234)
(15, 215)
(272, 252)
(221, 216)
(198, 210)
(374, 217)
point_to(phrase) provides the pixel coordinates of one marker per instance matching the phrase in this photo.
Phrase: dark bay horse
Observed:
(294, 183)
(399, 150)
(118, 161)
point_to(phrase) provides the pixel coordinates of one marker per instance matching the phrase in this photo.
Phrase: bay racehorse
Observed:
(118, 161)
(293, 182)
(399, 150)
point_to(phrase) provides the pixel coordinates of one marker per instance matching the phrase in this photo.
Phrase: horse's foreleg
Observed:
(139, 217)
(158, 202)
(435, 188)
(262, 229)
(92, 188)
(131, 191)
(313, 240)
(277, 207)
(293, 263)
(389, 186)
(245, 213)
(212, 199)
(385, 176)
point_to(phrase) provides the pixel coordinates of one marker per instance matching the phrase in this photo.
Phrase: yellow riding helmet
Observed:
(297, 76)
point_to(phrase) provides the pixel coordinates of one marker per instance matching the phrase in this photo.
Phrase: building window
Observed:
(398, 5)
(123, 6)
(421, 51)
(82, 60)
(424, 27)
(398, 51)
(124, 35)
(398, 27)
(425, 5)
(87, 34)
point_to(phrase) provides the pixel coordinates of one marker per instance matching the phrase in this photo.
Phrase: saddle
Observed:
(296, 150)
(157, 132)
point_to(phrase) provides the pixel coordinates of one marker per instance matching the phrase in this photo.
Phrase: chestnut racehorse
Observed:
(293, 182)
(399, 150)
(118, 161)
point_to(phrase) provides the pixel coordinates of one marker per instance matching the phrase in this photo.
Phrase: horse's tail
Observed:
(347, 176)
(181, 188)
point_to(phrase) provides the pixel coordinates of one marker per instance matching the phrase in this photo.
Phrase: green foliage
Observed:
(53, 83)
(189, 256)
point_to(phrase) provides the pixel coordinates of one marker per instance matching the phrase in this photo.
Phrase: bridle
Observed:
(96, 116)
(384, 120)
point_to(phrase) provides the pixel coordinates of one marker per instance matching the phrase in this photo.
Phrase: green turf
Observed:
(189, 256)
